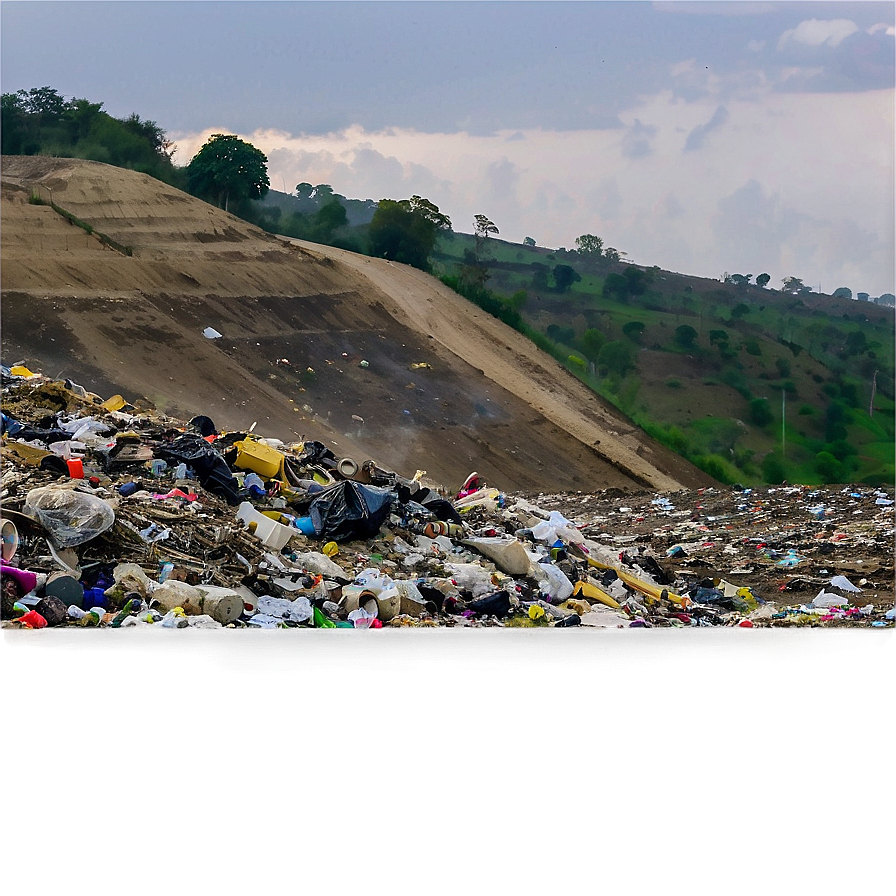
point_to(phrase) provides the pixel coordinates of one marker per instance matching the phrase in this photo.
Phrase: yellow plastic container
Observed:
(259, 458)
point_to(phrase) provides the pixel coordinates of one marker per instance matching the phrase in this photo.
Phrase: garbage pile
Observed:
(117, 516)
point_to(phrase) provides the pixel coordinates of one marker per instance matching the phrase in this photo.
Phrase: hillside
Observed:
(297, 322)
(754, 384)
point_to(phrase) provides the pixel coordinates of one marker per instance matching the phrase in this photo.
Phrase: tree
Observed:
(592, 342)
(638, 280)
(739, 310)
(615, 286)
(304, 190)
(406, 230)
(718, 337)
(565, 276)
(863, 296)
(739, 279)
(539, 275)
(634, 329)
(484, 226)
(760, 412)
(685, 335)
(794, 286)
(330, 218)
(228, 168)
(762, 280)
(842, 292)
(589, 245)
(528, 241)
(616, 358)
(612, 254)
(773, 470)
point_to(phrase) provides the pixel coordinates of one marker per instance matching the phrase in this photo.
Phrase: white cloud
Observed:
(882, 26)
(680, 68)
(810, 160)
(754, 46)
(818, 32)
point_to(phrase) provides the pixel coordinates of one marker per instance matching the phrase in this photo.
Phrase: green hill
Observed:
(752, 384)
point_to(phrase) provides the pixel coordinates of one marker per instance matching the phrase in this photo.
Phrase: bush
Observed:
(751, 347)
(828, 467)
(760, 412)
(685, 335)
(773, 469)
(673, 383)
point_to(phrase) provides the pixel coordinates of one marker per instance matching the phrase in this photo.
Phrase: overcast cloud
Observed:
(702, 137)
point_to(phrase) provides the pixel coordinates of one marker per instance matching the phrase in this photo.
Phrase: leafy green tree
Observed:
(773, 470)
(828, 467)
(528, 241)
(565, 276)
(558, 333)
(330, 218)
(739, 310)
(760, 412)
(616, 359)
(304, 190)
(539, 275)
(638, 280)
(589, 245)
(592, 342)
(228, 168)
(484, 226)
(718, 337)
(739, 279)
(842, 292)
(406, 230)
(612, 254)
(634, 330)
(762, 280)
(615, 286)
(685, 335)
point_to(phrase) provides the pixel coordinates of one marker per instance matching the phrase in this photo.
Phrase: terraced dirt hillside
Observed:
(376, 359)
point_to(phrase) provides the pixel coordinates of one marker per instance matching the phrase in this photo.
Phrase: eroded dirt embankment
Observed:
(445, 387)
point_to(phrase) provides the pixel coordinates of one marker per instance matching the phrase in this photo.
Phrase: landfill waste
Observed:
(116, 517)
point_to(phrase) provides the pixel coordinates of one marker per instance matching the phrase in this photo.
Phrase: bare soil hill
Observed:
(442, 387)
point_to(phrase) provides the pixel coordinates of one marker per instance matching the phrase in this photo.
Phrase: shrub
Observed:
(760, 412)
(773, 470)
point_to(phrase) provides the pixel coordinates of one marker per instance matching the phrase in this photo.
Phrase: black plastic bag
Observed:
(349, 510)
(210, 467)
(497, 604)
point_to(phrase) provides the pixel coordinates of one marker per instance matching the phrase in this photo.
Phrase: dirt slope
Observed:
(489, 400)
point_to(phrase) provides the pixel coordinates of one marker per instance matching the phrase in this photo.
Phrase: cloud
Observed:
(754, 46)
(698, 134)
(636, 142)
(818, 32)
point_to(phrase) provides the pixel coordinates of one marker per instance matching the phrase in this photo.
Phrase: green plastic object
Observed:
(321, 621)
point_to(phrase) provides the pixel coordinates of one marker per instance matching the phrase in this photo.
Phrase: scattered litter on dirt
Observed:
(116, 517)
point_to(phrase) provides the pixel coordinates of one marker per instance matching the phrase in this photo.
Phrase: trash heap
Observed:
(117, 516)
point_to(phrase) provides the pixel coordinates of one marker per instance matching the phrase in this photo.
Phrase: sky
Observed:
(703, 137)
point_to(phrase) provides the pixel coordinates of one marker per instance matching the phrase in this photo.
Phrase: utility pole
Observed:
(873, 390)
(783, 410)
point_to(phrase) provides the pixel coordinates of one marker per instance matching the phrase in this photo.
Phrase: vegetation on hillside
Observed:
(750, 383)
(753, 385)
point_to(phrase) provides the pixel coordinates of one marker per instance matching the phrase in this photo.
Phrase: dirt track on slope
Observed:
(488, 399)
